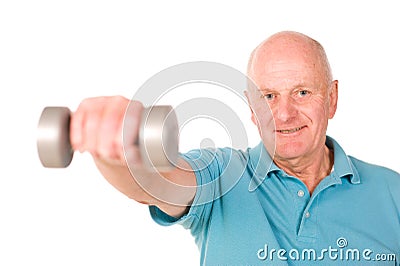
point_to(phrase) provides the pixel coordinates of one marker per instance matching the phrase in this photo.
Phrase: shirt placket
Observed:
(307, 206)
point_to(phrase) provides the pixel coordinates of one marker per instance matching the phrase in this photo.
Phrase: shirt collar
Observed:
(262, 164)
(343, 167)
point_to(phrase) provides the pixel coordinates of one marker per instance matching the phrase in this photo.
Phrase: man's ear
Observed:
(333, 98)
(253, 116)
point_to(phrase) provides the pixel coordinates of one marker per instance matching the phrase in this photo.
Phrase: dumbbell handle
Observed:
(158, 137)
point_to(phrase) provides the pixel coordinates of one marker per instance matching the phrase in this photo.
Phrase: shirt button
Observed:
(307, 215)
(300, 193)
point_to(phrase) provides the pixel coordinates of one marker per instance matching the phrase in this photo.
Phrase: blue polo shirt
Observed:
(247, 211)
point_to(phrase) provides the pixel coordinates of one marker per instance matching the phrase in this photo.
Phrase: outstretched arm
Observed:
(97, 127)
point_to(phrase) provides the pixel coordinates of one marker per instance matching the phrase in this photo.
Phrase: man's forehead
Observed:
(280, 67)
(284, 84)
(286, 68)
(287, 79)
(286, 72)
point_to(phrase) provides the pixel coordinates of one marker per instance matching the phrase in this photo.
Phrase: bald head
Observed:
(289, 46)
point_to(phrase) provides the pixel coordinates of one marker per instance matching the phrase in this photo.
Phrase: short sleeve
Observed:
(207, 165)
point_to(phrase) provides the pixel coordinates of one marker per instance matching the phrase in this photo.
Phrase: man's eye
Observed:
(268, 96)
(303, 93)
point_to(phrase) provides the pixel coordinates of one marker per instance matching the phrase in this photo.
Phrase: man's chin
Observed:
(289, 151)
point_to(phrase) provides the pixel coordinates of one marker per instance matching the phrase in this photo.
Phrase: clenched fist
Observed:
(97, 126)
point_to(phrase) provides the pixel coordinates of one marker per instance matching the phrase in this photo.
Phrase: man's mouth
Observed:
(289, 131)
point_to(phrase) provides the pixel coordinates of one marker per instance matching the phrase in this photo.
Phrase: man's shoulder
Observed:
(216, 157)
(378, 172)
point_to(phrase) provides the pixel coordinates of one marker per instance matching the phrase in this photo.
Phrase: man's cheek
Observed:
(267, 128)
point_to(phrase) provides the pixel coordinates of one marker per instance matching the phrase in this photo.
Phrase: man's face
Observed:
(294, 87)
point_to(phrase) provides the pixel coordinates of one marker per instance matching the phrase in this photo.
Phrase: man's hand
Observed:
(97, 125)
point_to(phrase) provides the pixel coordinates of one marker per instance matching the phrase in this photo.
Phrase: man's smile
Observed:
(289, 131)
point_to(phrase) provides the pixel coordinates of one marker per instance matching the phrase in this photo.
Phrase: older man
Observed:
(297, 198)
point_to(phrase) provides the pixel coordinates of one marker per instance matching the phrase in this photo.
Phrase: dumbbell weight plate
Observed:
(159, 137)
(53, 142)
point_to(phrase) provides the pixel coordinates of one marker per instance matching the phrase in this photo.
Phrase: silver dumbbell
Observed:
(158, 137)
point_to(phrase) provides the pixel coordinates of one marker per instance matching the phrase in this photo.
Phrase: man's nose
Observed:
(285, 110)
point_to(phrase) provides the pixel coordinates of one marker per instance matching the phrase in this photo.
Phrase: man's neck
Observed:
(310, 170)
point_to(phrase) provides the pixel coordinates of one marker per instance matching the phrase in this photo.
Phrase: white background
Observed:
(59, 52)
